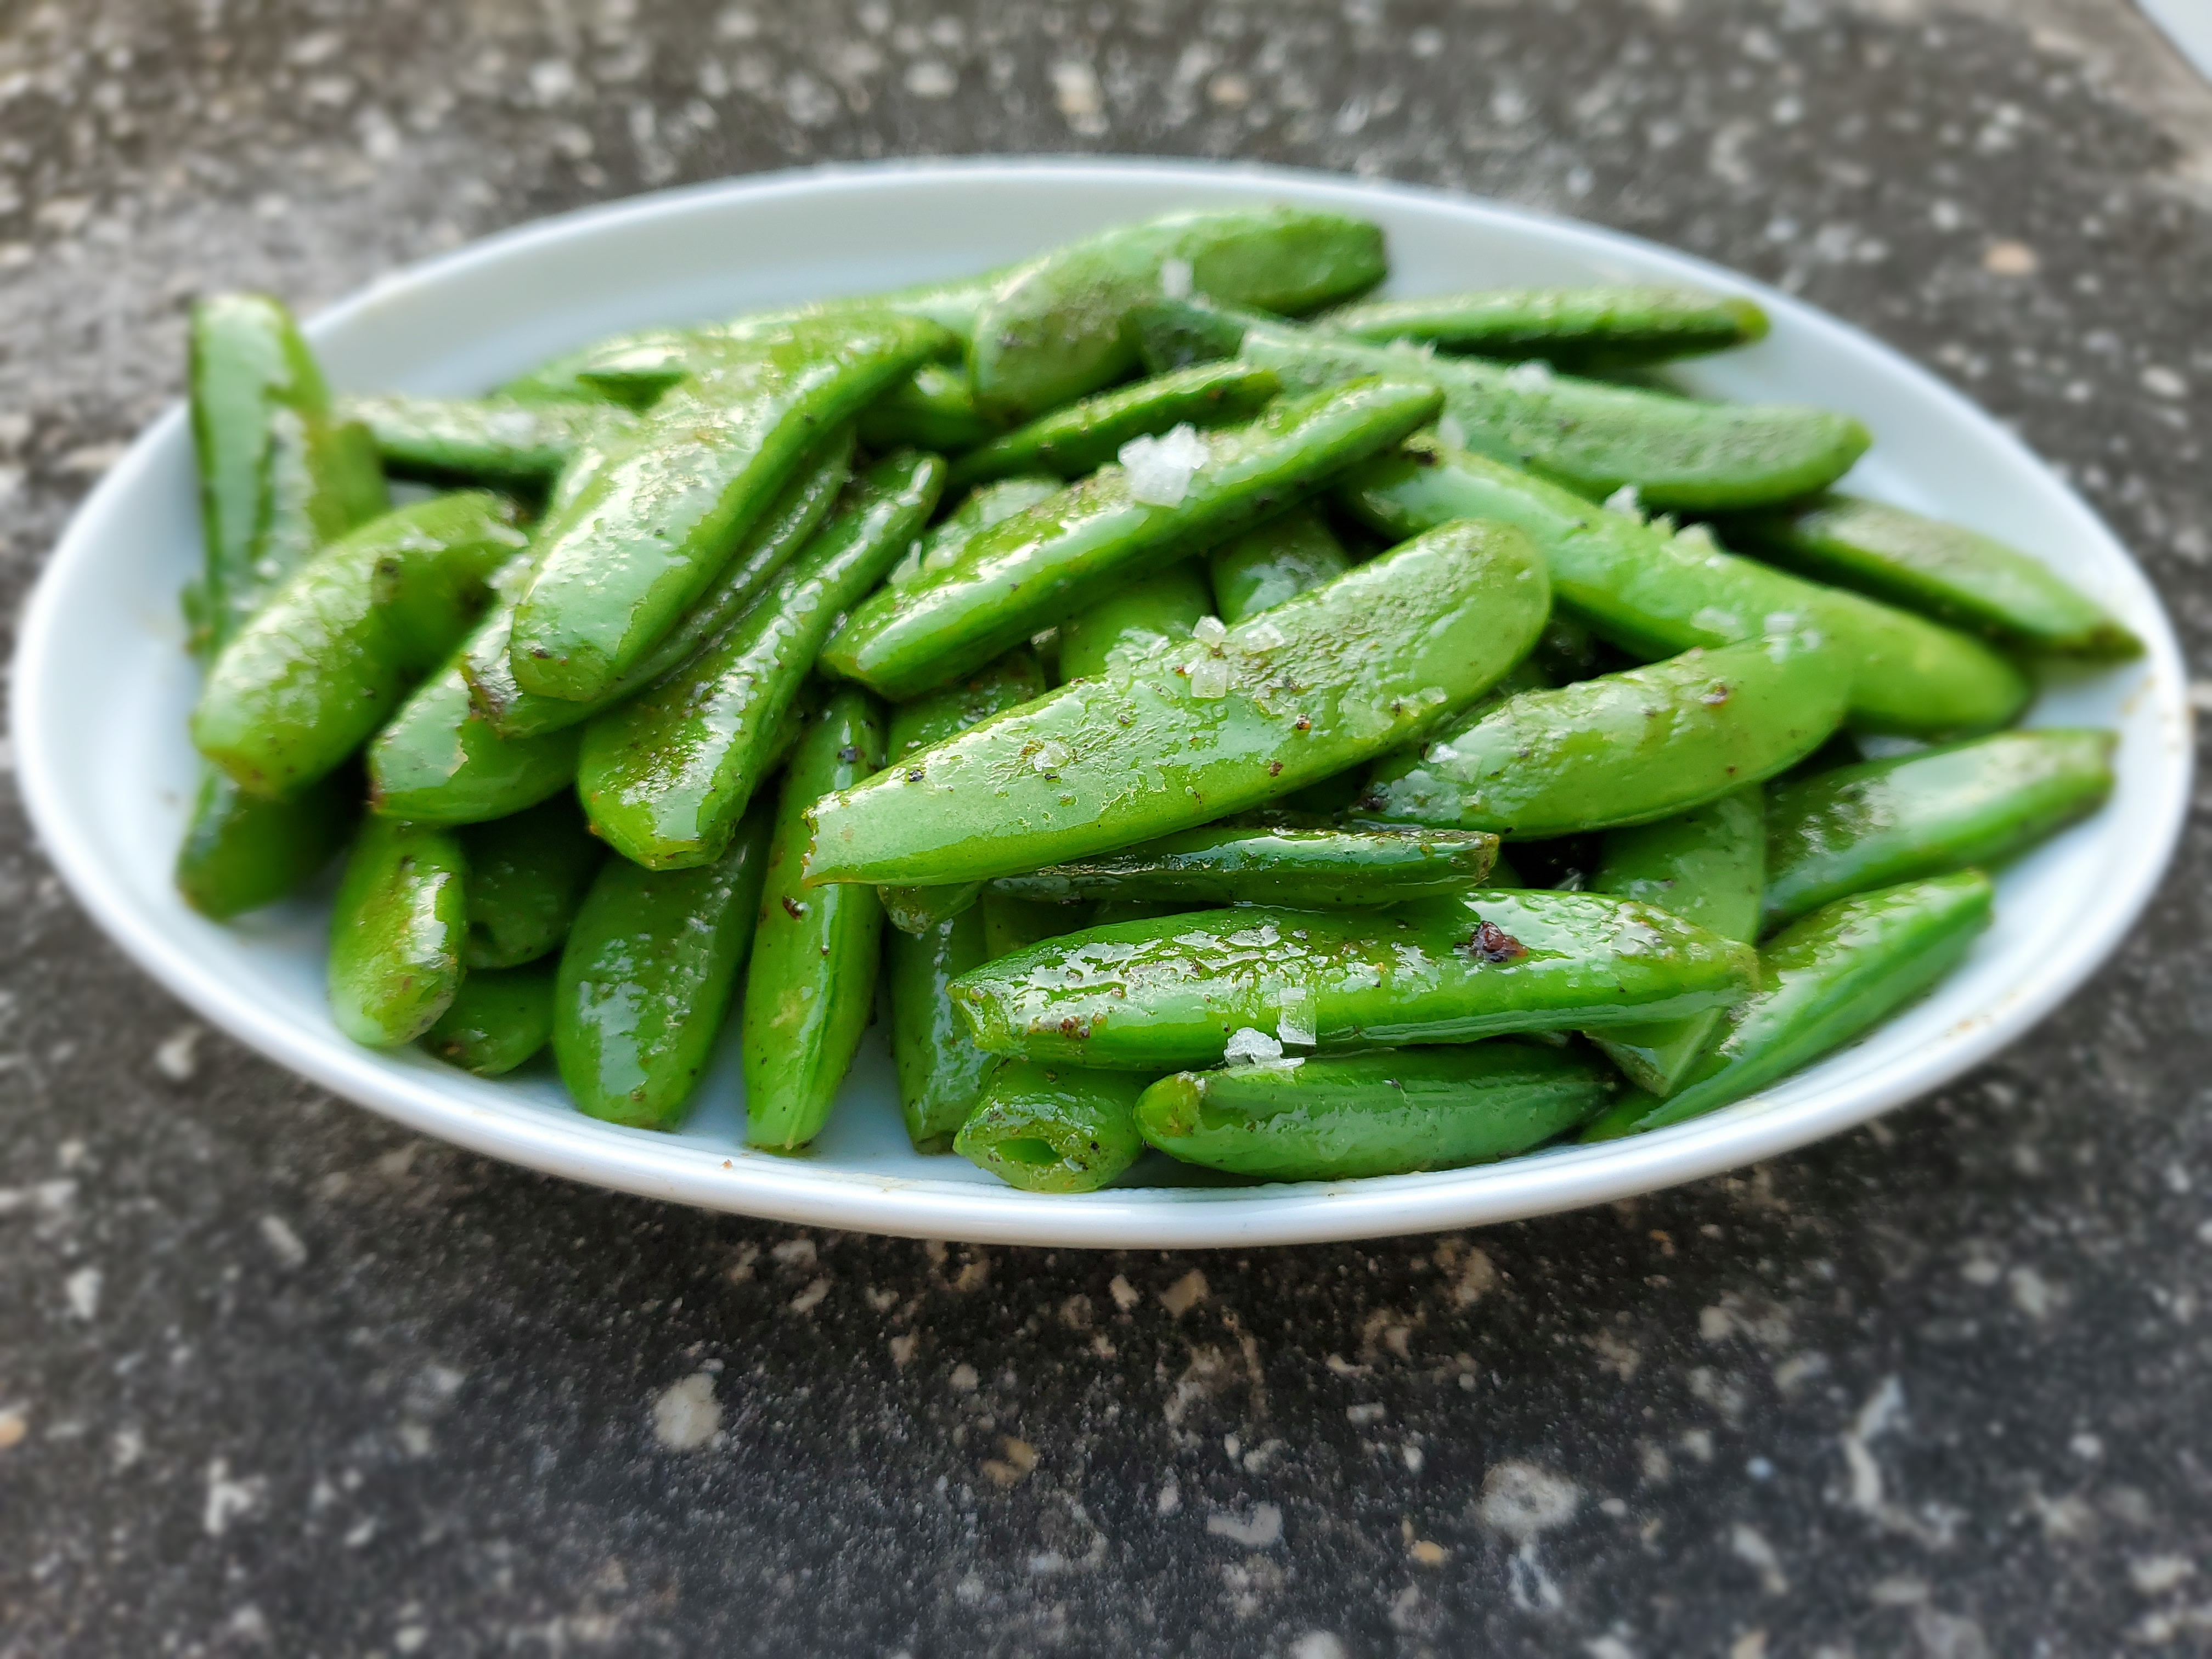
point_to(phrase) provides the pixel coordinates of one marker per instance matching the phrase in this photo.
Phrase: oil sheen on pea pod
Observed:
(1150, 614)
(1653, 593)
(1886, 820)
(1176, 992)
(1392, 1113)
(528, 875)
(1052, 330)
(940, 1071)
(500, 1017)
(1183, 493)
(396, 931)
(811, 991)
(1011, 923)
(647, 977)
(1708, 866)
(984, 505)
(498, 442)
(1072, 442)
(1945, 571)
(1379, 659)
(1594, 437)
(1005, 683)
(1054, 1129)
(645, 534)
(1267, 864)
(1606, 327)
(338, 647)
(240, 852)
(665, 776)
(780, 533)
(1827, 978)
(1278, 560)
(1624, 748)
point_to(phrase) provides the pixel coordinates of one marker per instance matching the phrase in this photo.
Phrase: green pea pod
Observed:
(1012, 923)
(1590, 436)
(495, 442)
(1052, 330)
(326, 661)
(1624, 747)
(1887, 821)
(1608, 327)
(665, 776)
(986, 505)
(934, 408)
(1171, 993)
(812, 989)
(1837, 973)
(1379, 657)
(1373, 1115)
(633, 370)
(1054, 1129)
(940, 1071)
(1708, 866)
(396, 931)
(646, 978)
(240, 852)
(1150, 614)
(645, 536)
(1943, 570)
(500, 1019)
(786, 526)
(1655, 594)
(1300, 868)
(527, 878)
(1274, 562)
(1066, 553)
(1012, 679)
(1086, 436)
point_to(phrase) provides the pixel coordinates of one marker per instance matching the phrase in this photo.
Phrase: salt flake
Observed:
(1175, 278)
(1534, 375)
(1209, 631)
(1209, 679)
(1628, 501)
(1160, 469)
(1249, 1045)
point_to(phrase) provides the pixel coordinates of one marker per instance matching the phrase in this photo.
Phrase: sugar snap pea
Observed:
(1886, 820)
(1623, 748)
(1264, 864)
(940, 1070)
(1013, 922)
(1392, 1113)
(1052, 330)
(1708, 866)
(645, 536)
(986, 505)
(527, 878)
(241, 852)
(645, 977)
(1654, 594)
(1054, 1129)
(396, 931)
(1150, 614)
(1171, 993)
(500, 1017)
(1379, 657)
(934, 408)
(1828, 977)
(1072, 442)
(340, 644)
(1945, 570)
(665, 776)
(811, 988)
(1278, 560)
(497, 441)
(1590, 327)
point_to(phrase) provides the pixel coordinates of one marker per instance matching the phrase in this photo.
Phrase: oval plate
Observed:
(103, 687)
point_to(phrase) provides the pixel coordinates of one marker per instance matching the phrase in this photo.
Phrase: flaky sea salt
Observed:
(1294, 1022)
(1534, 375)
(1209, 631)
(1626, 500)
(1249, 1045)
(1209, 679)
(1175, 278)
(1160, 469)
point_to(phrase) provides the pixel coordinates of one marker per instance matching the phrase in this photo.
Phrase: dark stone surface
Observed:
(274, 1378)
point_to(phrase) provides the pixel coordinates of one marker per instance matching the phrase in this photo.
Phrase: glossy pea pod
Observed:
(1170, 992)
(1623, 748)
(1150, 614)
(1266, 864)
(643, 536)
(934, 409)
(1653, 593)
(1072, 442)
(1827, 978)
(1393, 1113)
(986, 505)
(499, 1019)
(940, 1071)
(1835, 833)
(1258, 569)
(1708, 866)
(528, 875)
(495, 442)
(397, 928)
(1066, 553)
(1609, 327)
(338, 648)
(811, 988)
(646, 978)
(1013, 922)
(1054, 1129)
(1378, 658)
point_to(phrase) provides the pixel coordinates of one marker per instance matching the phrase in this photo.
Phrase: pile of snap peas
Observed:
(1215, 711)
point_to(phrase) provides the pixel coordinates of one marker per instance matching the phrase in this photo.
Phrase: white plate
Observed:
(103, 687)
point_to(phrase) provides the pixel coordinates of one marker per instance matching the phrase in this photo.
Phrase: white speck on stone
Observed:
(409, 1638)
(1750, 1546)
(1249, 1045)
(83, 1289)
(1261, 1529)
(1980, 1270)
(1628, 501)
(284, 1243)
(964, 1379)
(1897, 1590)
(229, 1500)
(2086, 1447)
(1209, 679)
(811, 1299)
(1125, 1295)
(1170, 1497)
(685, 1414)
(1081, 100)
(795, 1253)
(2031, 1292)
(931, 79)
(1186, 1293)
(1534, 375)
(1318, 1645)
(1882, 1410)
(1209, 631)
(2162, 382)
(903, 1349)
(127, 1448)
(177, 1056)
(2157, 1574)
(1608, 1647)
(1752, 1644)
(1367, 1412)
(1176, 278)
(1523, 1499)
(1160, 470)
(552, 80)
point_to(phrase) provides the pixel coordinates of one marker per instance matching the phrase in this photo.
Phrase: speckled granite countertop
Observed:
(274, 1378)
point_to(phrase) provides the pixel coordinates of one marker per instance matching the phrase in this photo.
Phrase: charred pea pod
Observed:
(1086, 436)
(1150, 614)
(1054, 1129)
(500, 1017)
(1887, 821)
(1300, 868)
(498, 442)
(1582, 327)
(1257, 570)
(396, 932)
(1392, 1113)
(527, 878)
